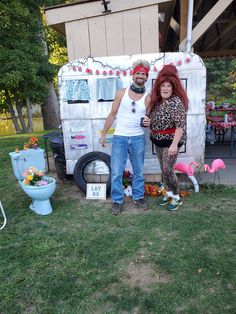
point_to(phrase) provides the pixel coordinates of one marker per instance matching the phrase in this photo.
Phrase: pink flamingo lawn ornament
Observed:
(216, 165)
(189, 171)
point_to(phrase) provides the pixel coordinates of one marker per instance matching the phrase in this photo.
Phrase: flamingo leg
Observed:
(214, 181)
(218, 176)
(184, 182)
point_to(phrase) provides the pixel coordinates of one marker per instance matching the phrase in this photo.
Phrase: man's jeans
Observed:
(121, 147)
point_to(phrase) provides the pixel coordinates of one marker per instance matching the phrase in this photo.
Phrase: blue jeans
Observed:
(121, 147)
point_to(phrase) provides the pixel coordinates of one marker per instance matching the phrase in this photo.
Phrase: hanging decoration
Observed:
(179, 63)
(108, 69)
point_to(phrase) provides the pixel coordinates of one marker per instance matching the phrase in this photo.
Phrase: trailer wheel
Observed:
(85, 169)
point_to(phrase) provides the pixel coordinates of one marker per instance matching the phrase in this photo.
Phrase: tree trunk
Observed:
(50, 109)
(20, 115)
(12, 113)
(29, 114)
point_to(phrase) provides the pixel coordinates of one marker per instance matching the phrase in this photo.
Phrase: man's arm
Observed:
(112, 115)
(147, 120)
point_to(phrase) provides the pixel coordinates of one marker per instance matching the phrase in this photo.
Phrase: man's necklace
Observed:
(137, 90)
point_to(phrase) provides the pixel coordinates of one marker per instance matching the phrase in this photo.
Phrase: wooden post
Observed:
(183, 22)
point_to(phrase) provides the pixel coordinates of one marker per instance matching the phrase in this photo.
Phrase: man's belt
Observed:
(166, 131)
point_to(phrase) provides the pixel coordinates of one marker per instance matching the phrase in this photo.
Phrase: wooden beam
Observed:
(230, 41)
(217, 53)
(225, 31)
(183, 19)
(168, 9)
(174, 25)
(208, 20)
(197, 6)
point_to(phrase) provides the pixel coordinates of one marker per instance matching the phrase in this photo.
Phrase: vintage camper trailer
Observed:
(87, 88)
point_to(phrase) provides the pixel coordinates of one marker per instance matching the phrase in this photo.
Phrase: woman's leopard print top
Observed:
(170, 114)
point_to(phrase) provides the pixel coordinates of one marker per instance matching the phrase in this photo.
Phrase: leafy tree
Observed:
(231, 82)
(221, 77)
(25, 72)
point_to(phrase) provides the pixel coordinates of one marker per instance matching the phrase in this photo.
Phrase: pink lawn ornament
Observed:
(185, 168)
(216, 165)
(189, 170)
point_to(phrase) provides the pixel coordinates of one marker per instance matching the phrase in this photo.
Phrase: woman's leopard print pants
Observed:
(167, 164)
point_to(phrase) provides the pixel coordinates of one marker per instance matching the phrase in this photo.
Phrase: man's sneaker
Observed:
(116, 209)
(141, 204)
(174, 204)
(164, 201)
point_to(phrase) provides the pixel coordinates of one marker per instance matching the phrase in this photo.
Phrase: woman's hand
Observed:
(146, 122)
(173, 149)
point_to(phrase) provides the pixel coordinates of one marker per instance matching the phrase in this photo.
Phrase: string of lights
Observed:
(109, 69)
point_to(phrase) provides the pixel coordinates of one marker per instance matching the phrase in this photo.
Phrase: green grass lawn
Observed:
(82, 259)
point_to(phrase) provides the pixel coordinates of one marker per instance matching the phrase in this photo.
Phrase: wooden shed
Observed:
(121, 27)
(106, 28)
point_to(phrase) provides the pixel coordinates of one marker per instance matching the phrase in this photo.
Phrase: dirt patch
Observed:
(130, 208)
(143, 276)
(67, 190)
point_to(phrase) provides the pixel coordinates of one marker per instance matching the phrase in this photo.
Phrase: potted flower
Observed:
(34, 177)
(33, 142)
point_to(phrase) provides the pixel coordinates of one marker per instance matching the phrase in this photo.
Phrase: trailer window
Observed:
(107, 87)
(75, 91)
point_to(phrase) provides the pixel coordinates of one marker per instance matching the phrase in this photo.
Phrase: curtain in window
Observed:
(107, 87)
(75, 90)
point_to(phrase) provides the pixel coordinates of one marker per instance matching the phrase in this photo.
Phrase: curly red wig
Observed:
(168, 74)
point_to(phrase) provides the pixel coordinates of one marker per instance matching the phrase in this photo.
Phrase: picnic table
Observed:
(222, 128)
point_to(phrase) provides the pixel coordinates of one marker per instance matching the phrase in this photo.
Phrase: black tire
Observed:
(79, 177)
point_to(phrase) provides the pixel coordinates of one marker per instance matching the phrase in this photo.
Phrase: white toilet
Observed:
(22, 161)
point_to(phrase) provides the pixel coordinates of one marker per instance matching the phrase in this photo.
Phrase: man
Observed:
(129, 105)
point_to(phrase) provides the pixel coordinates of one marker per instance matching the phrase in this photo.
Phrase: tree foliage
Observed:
(221, 79)
(25, 70)
(24, 67)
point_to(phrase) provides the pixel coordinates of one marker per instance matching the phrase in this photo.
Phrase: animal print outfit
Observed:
(165, 118)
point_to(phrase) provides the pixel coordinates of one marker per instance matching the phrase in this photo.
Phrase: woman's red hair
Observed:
(168, 74)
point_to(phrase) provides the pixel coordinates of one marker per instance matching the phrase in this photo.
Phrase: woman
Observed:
(169, 104)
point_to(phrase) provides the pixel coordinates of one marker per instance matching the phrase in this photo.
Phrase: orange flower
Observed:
(33, 140)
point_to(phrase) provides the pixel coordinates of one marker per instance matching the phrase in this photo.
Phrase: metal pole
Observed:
(190, 24)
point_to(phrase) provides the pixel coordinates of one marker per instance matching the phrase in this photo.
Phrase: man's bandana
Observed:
(141, 68)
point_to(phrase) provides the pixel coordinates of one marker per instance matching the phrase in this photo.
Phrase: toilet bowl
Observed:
(40, 195)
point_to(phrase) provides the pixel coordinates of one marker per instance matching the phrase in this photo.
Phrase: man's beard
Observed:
(139, 83)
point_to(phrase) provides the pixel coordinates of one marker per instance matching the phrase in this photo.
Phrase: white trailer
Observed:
(87, 88)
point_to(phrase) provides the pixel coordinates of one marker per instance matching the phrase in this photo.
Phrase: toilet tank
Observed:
(24, 159)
